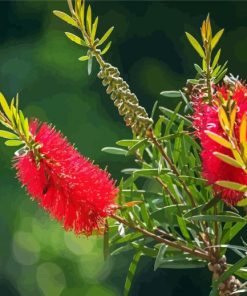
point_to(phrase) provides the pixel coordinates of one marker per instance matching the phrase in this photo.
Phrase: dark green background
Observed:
(36, 256)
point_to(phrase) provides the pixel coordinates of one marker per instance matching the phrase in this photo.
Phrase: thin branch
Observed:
(196, 252)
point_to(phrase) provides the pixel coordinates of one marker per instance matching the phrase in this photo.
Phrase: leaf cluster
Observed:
(82, 19)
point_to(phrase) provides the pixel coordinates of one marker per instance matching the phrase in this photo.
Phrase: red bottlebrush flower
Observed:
(206, 118)
(73, 190)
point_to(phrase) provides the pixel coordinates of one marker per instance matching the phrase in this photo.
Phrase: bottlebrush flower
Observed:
(206, 118)
(73, 190)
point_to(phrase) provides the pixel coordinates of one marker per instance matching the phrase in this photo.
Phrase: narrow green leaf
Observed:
(131, 273)
(220, 76)
(242, 272)
(171, 94)
(127, 143)
(126, 238)
(198, 69)
(145, 216)
(82, 14)
(227, 159)
(150, 172)
(218, 139)
(89, 19)
(160, 256)
(183, 264)
(232, 185)
(170, 114)
(168, 214)
(154, 109)
(114, 150)
(150, 252)
(94, 29)
(195, 44)
(242, 203)
(193, 81)
(217, 218)
(105, 36)
(216, 38)
(8, 135)
(216, 59)
(104, 51)
(75, 39)
(13, 143)
(90, 66)
(137, 146)
(5, 106)
(84, 58)
(183, 228)
(65, 17)
(233, 231)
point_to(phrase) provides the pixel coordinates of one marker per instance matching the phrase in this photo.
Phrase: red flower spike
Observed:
(74, 191)
(206, 118)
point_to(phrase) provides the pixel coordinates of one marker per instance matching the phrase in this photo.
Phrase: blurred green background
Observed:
(36, 256)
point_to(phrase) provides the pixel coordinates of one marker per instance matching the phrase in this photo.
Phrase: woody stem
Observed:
(196, 251)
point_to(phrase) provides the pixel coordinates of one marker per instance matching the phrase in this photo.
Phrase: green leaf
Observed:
(65, 17)
(131, 273)
(171, 94)
(127, 238)
(216, 38)
(217, 218)
(216, 59)
(105, 36)
(168, 214)
(220, 76)
(5, 106)
(195, 44)
(24, 127)
(183, 228)
(94, 29)
(104, 51)
(193, 81)
(127, 143)
(218, 139)
(181, 262)
(175, 113)
(233, 231)
(137, 146)
(198, 69)
(75, 39)
(160, 256)
(114, 150)
(242, 203)
(146, 216)
(242, 272)
(90, 66)
(150, 172)
(154, 109)
(84, 58)
(232, 185)
(89, 19)
(82, 15)
(150, 252)
(227, 159)
(13, 143)
(8, 135)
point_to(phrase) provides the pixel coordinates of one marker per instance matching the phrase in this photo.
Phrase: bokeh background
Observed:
(37, 257)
